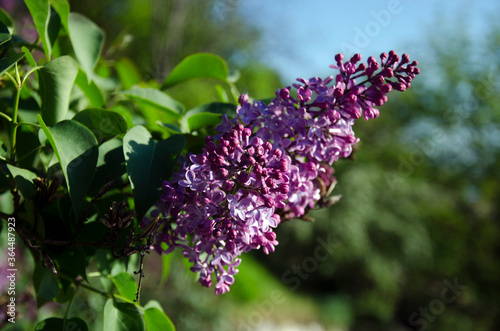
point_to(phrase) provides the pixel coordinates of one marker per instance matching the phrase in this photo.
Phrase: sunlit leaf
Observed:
(56, 81)
(40, 12)
(201, 65)
(122, 316)
(206, 115)
(127, 72)
(104, 124)
(156, 320)
(125, 285)
(90, 89)
(76, 150)
(29, 56)
(87, 40)
(148, 164)
(156, 99)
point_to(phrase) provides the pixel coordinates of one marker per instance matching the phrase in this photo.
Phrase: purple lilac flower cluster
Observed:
(224, 201)
(272, 162)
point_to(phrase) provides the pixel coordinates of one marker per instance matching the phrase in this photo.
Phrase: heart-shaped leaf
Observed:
(200, 65)
(87, 40)
(56, 81)
(104, 124)
(76, 150)
(148, 164)
(122, 316)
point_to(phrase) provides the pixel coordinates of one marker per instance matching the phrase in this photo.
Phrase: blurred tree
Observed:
(166, 31)
(420, 208)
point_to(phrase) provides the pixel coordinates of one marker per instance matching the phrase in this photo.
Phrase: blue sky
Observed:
(300, 38)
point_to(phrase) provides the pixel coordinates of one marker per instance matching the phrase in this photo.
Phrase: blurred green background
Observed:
(415, 237)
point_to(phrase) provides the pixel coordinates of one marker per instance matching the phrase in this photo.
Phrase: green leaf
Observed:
(201, 65)
(122, 316)
(6, 19)
(110, 164)
(40, 11)
(53, 27)
(127, 72)
(125, 285)
(54, 323)
(148, 164)
(87, 40)
(156, 320)
(76, 149)
(56, 81)
(156, 99)
(89, 89)
(206, 115)
(24, 180)
(166, 260)
(7, 62)
(104, 124)
(72, 262)
(45, 283)
(4, 33)
(29, 57)
(62, 8)
(153, 304)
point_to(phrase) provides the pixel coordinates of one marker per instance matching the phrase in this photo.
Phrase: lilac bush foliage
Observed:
(272, 162)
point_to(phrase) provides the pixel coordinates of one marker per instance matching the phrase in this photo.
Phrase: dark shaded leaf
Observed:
(76, 149)
(7, 62)
(54, 323)
(148, 164)
(24, 180)
(4, 32)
